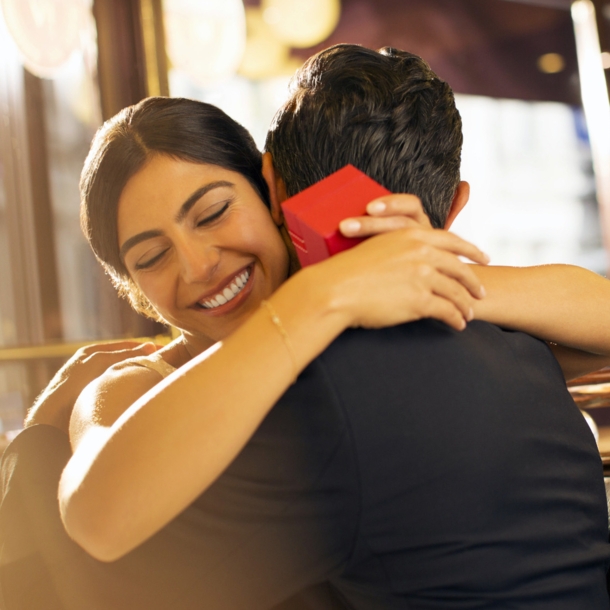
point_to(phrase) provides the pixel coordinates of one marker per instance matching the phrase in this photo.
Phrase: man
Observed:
(472, 482)
(413, 467)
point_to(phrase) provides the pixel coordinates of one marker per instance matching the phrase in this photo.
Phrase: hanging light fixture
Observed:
(302, 23)
(46, 32)
(596, 103)
(206, 39)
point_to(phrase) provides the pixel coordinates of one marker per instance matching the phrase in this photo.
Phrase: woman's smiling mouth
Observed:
(229, 292)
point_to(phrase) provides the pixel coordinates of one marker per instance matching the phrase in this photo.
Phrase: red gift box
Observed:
(313, 215)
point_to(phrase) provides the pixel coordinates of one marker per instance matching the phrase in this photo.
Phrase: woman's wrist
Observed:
(324, 295)
(312, 312)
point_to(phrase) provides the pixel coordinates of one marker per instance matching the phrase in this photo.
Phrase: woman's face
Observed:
(200, 244)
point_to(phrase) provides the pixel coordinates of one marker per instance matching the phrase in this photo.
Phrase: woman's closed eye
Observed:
(156, 254)
(146, 262)
(219, 210)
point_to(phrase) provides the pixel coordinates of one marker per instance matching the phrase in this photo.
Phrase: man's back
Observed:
(415, 467)
(481, 485)
(478, 483)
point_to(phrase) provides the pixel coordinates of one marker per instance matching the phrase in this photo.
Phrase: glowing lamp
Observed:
(46, 32)
(302, 23)
(266, 56)
(205, 38)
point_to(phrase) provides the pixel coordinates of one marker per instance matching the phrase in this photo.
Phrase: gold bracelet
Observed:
(278, 324)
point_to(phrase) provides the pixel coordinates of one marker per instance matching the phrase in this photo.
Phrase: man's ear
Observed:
(277, 189)
(277, 195)
(460, 199)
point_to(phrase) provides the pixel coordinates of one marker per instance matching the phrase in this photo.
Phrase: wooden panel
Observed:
(153, 34)
(131, 52)
(121, 57)
(42, 210)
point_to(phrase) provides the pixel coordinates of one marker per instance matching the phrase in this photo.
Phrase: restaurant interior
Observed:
(531, 82)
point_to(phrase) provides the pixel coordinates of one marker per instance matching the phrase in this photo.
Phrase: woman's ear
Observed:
(460, 199)
(277, 189)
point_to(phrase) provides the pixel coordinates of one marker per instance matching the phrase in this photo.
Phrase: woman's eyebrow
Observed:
(200, 192)
(136, 239)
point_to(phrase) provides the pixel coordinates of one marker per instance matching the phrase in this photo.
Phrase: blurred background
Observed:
(530, 85)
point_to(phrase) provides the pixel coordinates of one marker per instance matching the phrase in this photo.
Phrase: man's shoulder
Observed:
(481, 369)
(429, 346)
(434, 334)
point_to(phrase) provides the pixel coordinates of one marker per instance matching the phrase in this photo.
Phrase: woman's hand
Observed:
(407, 272)
(54, 406)
(434, 282)
(404, 275)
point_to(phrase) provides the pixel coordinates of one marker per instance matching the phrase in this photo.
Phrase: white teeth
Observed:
(231, 291)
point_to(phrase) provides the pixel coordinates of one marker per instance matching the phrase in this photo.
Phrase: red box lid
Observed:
(314, 214)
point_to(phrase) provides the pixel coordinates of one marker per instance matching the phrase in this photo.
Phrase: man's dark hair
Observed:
(384, 112)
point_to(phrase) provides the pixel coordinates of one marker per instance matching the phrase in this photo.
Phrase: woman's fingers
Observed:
(365, 226)
(400, 211)
(453, 291)
(399, 205)
(441, 309)
(423, 293)
(449, 242)
(407, 275)
(452, 267)
(440, 249)
(110, 347)
(385, 214)
(434, 250)
(54, 406)
(121, 351)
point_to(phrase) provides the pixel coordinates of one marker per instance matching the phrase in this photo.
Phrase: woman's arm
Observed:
(565, 305)
(173, 442)
(561, 304)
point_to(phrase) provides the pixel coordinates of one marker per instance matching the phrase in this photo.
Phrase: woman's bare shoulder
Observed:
(106, 398)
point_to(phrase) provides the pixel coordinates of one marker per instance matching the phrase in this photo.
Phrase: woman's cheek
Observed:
(157, 289)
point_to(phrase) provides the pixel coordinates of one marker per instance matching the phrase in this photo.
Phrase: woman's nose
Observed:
(198, 261)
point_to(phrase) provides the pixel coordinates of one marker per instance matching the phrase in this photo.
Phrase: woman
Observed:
(179, 184)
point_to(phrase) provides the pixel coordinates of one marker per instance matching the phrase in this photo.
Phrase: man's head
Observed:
(384, 112)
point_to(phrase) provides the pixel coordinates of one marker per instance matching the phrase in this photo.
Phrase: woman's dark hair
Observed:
(385, 112)
(179, 128)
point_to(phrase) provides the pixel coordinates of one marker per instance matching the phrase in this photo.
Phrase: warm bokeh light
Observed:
(46, 32)
(266, 56)
(206, 39)
(551, 63)
(302, 23)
